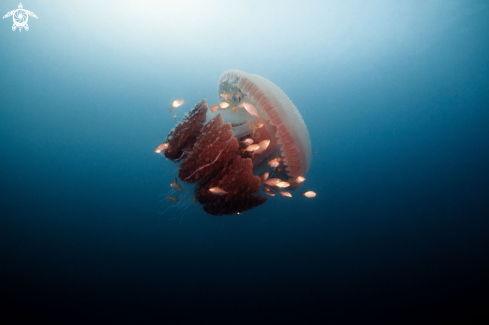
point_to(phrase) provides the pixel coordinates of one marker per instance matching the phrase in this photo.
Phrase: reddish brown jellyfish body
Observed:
(211, 148)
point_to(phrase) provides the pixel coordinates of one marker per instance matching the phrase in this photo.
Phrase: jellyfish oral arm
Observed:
(200, 168)
(213, 160)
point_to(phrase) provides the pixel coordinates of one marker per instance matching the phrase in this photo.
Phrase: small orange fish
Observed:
(223, 105)
(176, 103)
(176, 186)
(299, 179)
(264, 176)
(273, 163)
(247, 141)
(162, 147)
(309, 194)
(272, 181)
(217, 191)
(172, 199)
(249, 108)
(286, 194)
(263, 146)
(268, 191)
(214, 108)
(175, 116)
(226, 96)
(252, 147)
(282, 184)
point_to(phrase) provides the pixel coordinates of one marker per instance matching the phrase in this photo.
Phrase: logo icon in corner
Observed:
(20, 17)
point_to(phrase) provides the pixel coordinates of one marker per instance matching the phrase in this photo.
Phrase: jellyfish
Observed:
(210, 146)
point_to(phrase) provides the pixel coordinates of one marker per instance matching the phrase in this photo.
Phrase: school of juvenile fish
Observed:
(270, 185)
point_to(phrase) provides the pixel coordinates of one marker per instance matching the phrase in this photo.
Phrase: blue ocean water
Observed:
(395, 96)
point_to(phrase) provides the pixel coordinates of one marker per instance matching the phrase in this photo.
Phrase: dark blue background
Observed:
(395, 96)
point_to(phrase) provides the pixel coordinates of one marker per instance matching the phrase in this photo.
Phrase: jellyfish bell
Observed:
(212, 151)
(282, 122)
